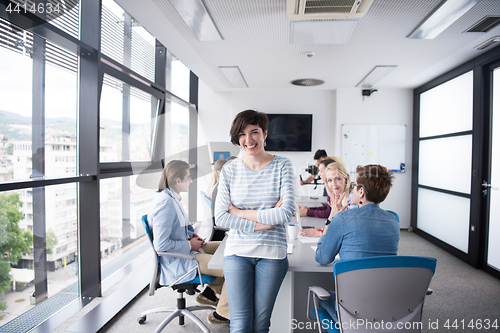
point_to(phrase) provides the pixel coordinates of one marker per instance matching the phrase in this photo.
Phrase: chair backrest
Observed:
(207, 200)
(381, 293)
(156, 265)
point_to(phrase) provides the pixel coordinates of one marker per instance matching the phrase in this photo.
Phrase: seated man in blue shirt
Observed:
(358, 233)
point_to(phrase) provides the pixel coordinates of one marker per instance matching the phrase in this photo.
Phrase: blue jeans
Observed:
(252, 285)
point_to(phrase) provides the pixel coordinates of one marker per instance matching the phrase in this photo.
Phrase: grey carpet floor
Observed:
(461, 294)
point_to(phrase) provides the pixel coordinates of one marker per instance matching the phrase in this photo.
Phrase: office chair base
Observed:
(176, 313)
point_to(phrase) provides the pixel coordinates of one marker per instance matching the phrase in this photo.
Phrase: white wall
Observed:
(330, 110)
(387, 106)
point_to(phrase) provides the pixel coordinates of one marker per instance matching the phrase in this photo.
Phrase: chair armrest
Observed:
(320, 292)
(177, 255)
(187, 257)
(429, 291)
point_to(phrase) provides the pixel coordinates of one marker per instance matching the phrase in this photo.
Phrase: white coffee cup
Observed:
(293, 231)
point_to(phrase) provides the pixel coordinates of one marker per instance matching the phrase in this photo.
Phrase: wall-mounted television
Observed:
(289, 132)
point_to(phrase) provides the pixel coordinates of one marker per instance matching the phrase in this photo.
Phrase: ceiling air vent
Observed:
(485, 24)
(326, 9)
(307, 82)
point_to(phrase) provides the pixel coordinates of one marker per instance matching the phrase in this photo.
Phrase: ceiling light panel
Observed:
(234, 76)
(322, 32)
(488, 43)
(375, 75)
(198, 19)
(442, 17)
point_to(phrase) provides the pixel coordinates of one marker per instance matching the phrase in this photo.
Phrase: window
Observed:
(125, 41)
(444, 163)
(58, 221)
(123, 203)
(34, 133)
(178, 77)
(126, 122)
(44, 141)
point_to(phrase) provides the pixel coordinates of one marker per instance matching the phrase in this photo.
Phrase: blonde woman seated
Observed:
(338, 183)
(172, 232)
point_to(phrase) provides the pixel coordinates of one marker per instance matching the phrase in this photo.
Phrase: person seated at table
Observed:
(214, 182)
(368, 231)
(172, 232)
(218, 234)
(338, 183)
(322, 211)
(319, 155)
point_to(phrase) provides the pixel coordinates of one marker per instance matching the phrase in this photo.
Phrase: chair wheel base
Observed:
(141, 320)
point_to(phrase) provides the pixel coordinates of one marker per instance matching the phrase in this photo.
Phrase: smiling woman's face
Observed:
(335, 181)
(252, 139)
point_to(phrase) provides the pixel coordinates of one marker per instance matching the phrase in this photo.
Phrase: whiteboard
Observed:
(374, 144)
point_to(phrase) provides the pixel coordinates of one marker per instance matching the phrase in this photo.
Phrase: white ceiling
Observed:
(257, 39)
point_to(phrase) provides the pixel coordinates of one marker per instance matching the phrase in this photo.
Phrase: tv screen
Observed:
(289, 132)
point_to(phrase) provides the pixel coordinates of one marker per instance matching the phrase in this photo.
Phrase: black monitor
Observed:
(289, 132)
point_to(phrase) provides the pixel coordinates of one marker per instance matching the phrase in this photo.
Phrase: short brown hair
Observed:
(319, 154)
(173, 170)
(244, 118)
(326, 162)
(377, 181)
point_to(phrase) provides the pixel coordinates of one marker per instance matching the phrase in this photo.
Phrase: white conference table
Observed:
(310, 201)
(303, 271)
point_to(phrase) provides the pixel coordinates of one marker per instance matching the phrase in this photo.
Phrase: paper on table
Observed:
(314, 247)
(289, 248)
(305, 239)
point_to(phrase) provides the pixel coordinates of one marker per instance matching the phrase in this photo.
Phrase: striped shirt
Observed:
(256, 190)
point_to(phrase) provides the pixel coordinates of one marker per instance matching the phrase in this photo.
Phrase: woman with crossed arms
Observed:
(255, 258)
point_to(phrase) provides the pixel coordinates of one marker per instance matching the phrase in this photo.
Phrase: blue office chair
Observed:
(207, 200)
(375, 293)
(188, 287)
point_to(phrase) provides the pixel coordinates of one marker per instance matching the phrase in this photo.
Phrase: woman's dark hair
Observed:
(244, 118)
(377, 181)
(173, 170)
(319, 154)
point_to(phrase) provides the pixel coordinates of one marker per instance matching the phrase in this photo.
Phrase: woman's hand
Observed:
(303, 210)
(196, 243)
(262, 227)
(336, 205)
(310, 232)
(279, 203)
(233, 210)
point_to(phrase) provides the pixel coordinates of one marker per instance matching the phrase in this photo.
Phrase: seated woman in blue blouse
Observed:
(172, 232)
(365, 232)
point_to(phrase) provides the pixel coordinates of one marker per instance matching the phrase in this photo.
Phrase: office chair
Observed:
(375, 294)
(188, 287)
(207, 200)
(216, 233)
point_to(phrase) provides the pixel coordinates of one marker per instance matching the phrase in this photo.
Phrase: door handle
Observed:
(486, 185)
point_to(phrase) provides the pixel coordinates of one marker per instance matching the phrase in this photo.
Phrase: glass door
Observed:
(492, 189)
